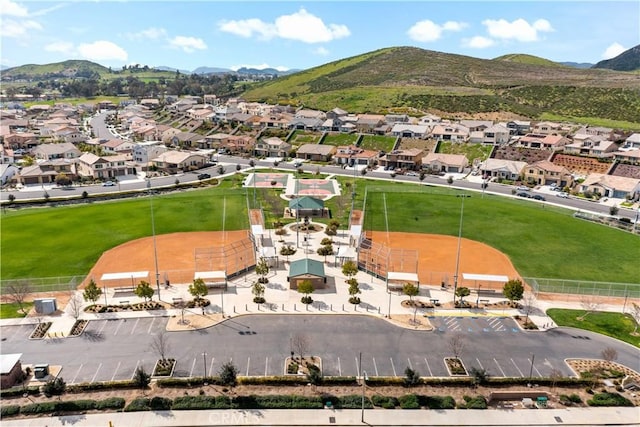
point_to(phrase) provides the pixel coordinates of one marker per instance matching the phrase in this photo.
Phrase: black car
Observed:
(539, 197)
(204, 176)
(523, 194)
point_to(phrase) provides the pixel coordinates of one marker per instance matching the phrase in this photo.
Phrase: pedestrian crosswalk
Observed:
(444, 324)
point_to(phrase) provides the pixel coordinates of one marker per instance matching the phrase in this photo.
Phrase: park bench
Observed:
(125, 289)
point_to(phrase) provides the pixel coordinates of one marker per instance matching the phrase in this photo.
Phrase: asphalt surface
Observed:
(259, 344)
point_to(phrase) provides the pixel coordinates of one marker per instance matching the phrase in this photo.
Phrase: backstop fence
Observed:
(41, 284)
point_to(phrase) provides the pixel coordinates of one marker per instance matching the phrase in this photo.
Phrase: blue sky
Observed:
(293, 34)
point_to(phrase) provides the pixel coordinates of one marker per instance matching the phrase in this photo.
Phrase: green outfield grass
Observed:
(67, 241)
(616, 325)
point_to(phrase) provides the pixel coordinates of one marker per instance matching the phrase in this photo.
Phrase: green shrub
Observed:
(609, 399)
(353, 401)
(19, 391)
(38, 408)
(76, 405)
(158, 403)
(106, 385)
(275, 380)
(138, 404)
(111, 403)
(385, 402)
(54, 387)
(409, 401)
(385, 381)
(201, 402)
(575, 398)
(437, 402)
(9, 410)
(478, 402)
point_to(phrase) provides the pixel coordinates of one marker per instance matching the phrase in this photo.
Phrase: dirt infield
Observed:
(437, 257)
(175, 253)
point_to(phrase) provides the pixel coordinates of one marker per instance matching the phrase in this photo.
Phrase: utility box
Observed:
(40, 371)
(45, 305)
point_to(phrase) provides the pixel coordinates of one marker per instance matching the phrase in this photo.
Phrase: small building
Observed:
(307, 269)
(316, 152)
(10, 370)
(307, 206)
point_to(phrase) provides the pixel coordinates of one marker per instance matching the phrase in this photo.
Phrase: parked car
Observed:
(204, 176)
(563, 195)
(539, 197)
(523, 188)
(108, 184)
(523, 194)
(411, 173)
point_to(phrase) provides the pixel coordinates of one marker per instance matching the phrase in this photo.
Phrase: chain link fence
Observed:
(42, 284)
(582, 287)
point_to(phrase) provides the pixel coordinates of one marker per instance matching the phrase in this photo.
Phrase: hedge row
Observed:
(70, 406)
(19, 391)
(609, 399)
(105, 385)
(283, 380)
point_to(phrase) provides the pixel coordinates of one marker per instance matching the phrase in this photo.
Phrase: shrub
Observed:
(411, 377)
(38, 408)
(19, 391)
(201, 402)
(111, 403)
(228, 374)
(353, 401)
(138, 404)
(437, 402)
(609, 399)
(478, 402)
(158, 403)
(54, 387)
(409, 401)
(140, 378)
(9, 410)
(385, 402)
(76, 405)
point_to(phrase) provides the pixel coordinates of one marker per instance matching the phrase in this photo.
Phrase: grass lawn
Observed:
(616, 325)
(377, 142)
(472, 151)
(340, 139)
(66, 241)
(302, 137)
(12, 310)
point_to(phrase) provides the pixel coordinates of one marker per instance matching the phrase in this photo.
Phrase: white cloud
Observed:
(102, 50)
(9, 8)
(322, 51)
(151, 33)
(61, 47)
(478, 42)
(300, 26)
(15, 29)
(258, 67)
(519, 29)
(613, 50)
(187, 44)
(429, 31)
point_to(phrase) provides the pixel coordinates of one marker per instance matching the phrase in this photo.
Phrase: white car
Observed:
(108, 184)
(523, 188)
(563, 195)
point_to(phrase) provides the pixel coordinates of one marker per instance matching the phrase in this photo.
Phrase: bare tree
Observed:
(74, 306)
(590, 304)
(528, 304)
(300, 344)
(609, 354)
(635, 313)
(160, 345)
(18, 292)
(456, 345)
(555, 375)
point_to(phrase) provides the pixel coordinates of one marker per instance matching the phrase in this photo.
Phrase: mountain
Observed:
(173, 70)
(412, 78)
(526, 59)
(629, 60)
(581, 65)
(71, 68)
(211, 70)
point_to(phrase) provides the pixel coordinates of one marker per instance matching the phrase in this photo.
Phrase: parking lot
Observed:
(444, 324)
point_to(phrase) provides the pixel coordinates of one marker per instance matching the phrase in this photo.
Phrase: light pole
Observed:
(204, 360)
(533, 357)
(153, 232)
(455, 277)
(364, 384)
(478, 297)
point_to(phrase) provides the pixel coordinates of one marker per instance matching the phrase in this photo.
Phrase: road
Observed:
(259, 344)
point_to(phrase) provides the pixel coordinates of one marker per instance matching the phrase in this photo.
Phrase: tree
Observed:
(63, 180)
(513, 290)
(228, 374)
(422, 176)
(590, 304)
(160, 345)
(141, 378)
(462, 292)
(613, 210)
(354, 290)
(635, 313)
(54, 387)
(411, 377)
(198, 289)
(238, 167)
(411, 290)
(144, 290)
(325, 251)
(18, 292)
(456, 345)
(92, 292)
(288, 251)
(258, 293)
(479, 376)
(306, 288)
(11, 198)
(450, 180)
(74, 306)
(262, 269)
(221, 170)
(528, 304)
(349, 269)
(281, 232)
(300, 344)
(609, 354)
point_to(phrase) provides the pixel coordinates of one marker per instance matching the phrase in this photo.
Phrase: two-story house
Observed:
(64, 150)
(354, 156)
(143, 152)
(316, 152)
(104, 167)
(179, 161)
(410, 159)
(450, 132)
(272, 147)
(546, 173)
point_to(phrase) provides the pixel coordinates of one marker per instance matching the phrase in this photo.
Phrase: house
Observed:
(544, 172)
(272, 147)
(450, 132)
(64, 150)
(316, 152)
(46, 172)
(185, 139)
(476, 125)
(305, 123)
(104, 167)
(354, 156)
(410, 131)
(336, 113)
(150, 103)
(10, 370)
(143, 152)
(543, 141)
(305, 206)
(429, 119)
(632, 142)
(546, 128)
(595, 131)
(617, 187)
(504, 169)
(240, 144)
(307, 269)
(310, 114)
(368, 122)
(279, 121)
(118, 146)
(410, 159)
(23, 140)
(439, 162)
(147, 132)
(590, 145)
(393, 119)
(496, 134)
(630, 156)
(7, 155)
(179, 161)
(518, 127)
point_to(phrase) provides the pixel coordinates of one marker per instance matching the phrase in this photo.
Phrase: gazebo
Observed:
(307, 206)
(307, 269)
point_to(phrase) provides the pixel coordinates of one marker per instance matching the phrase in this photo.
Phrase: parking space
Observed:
(105, 370)
(16, 333)
(127, 327)
(461, 324)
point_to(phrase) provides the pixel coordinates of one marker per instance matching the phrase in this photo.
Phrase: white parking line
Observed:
(96, 374)
(135, 369)
(428, 367)
(479, 363)
(339, 367)
(534, 368)
(409, 360)
(358, 367)
(193, 365)
(266, 366)
(393, 367)
(115, 371)
(211, 367)
(73, 381)
(248, 362)
(118, 327)
(104, 323)
(514, 364)
(499, 367)
(135, 325)
(375, 366)
(151, 325)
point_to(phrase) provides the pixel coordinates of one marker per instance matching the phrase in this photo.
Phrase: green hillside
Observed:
(423, 79)
(65, 68)
(527, 59)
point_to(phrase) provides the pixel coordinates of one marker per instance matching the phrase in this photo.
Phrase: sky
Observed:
(303, 34)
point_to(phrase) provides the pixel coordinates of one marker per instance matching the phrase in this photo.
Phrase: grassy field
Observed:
(616, 325)
(593, 121)
(377, 142)
(340, 139)
(67, 241)
(302, 137)
(12, 310)
(472, 151)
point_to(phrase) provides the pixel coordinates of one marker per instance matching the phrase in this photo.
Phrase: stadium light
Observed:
(153, 232)
(455, 277)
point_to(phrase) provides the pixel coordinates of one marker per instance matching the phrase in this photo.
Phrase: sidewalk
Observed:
(346, 417)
